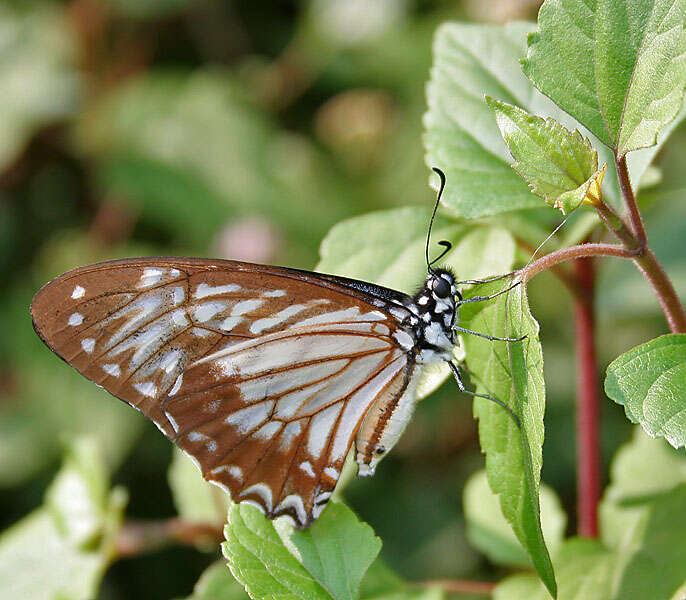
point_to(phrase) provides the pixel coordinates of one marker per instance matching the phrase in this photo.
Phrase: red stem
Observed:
(588, 403)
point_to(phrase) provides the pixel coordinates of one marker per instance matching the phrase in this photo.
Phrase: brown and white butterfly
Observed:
(266, 376)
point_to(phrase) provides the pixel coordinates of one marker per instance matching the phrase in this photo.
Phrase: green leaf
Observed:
(613, 65)
(650, 382)
(195, 499)
(559, 165)
(584, 569)
(461, 137)
(513, 373)
(643, 468)
(337, 550)
(62, 549)
(217, 583)
(489, 532)
(261, 562)
(650, 546)
(326, 561)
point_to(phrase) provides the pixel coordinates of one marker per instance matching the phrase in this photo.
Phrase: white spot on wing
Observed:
(306, 466)
(320, 429)
(75, 319)
(348, 314)
(203, 290)
(274, 293)
(268, 430)
(245, 306)
(176, 386)
(288, 435)
(112, 369)
(78, 292)
(172, 420)
(230, 322)
(263, 491)
(88, 344)
(331, 472)
(283, 315)
(170, 360)
(207, 310)
(233, 470)
(150, 277)
(404, 339)
(146, 388)
(295, 502)
(249, 418)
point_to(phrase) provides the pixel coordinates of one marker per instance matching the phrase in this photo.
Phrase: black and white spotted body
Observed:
(435, 306)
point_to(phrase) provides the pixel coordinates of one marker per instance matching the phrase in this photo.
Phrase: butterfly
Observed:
(266, 376)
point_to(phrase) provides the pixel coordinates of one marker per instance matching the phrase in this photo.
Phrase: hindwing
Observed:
(262, 374)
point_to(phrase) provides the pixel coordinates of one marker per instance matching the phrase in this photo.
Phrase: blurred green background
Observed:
(246, 130)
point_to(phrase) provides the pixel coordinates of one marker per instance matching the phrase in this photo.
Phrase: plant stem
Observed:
(588, 402)
(643, 256)
(664, 290)
(139, 537)
(630, 200)
(580, 251)
(566, 277)
(460, 586)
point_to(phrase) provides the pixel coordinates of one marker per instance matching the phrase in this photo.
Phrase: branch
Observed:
(559, 271)
(461, 586)
(630, 200)
(580, 251)
(664, 290)
(140, 537)
(588, 402)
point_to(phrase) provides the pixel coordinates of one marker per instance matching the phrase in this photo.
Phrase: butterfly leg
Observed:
(487, 280)
(483, 298)
(488, 337)
(461, 385)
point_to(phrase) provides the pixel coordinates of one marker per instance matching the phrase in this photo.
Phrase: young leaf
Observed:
(259, 560)
(381, 583)
(337, 550)
(512, 372)
(584, 570)
(195, 499)
(62, 549)
(559, 165)
(644, 468)
(613, 65)
(38, 73)
(489, 532)
(217, 583)
(650, 546)
(650, 382)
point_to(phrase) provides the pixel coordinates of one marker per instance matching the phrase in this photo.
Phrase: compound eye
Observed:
(441, 288)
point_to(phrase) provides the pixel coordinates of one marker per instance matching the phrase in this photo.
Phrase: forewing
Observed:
(262, 374)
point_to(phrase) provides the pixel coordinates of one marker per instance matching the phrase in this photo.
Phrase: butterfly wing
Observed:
(263, 375)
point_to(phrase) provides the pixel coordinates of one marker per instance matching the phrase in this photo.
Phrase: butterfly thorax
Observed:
(435, 308)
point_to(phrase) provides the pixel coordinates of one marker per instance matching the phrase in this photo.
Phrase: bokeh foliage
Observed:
(250, 130)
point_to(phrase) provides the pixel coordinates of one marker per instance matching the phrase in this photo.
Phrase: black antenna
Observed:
(444, 243)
